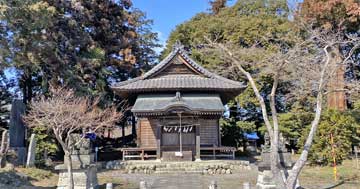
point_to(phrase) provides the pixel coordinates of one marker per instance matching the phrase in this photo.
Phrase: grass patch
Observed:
(35, 174)
(324, 175)
(345, 171)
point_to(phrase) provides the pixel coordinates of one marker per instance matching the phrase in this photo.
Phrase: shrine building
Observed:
(177, 105)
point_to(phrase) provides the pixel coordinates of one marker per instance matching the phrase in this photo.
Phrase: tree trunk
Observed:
(336, 87)
(275, 156)
(300, 163)
(27, 88)
(70, 173)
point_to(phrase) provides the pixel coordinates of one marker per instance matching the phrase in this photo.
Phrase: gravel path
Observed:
(186, 181)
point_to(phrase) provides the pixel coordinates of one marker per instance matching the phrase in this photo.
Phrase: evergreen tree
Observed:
(343, 128)
(84, 45)
(259, 23)
(5, 102)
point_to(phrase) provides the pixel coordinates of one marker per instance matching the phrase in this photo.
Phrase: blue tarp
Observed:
(251, 136)
(91, 136)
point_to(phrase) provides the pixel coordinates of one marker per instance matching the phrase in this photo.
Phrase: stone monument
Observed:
(265, 177)
(4, 147)
(17, 132)
(83, 164)
(30, 162)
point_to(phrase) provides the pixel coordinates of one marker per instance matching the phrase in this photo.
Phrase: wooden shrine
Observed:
(178, 104)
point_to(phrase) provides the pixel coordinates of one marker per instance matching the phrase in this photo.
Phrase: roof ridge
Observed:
(178, 48)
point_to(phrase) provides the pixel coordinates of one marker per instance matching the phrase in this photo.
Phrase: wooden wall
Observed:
(177, 66)
(147, 132)
(209, 131)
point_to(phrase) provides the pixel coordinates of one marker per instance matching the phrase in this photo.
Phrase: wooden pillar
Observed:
(197, 156)
(133, 125)
(219, 134)
(123, 131)
(158, 143)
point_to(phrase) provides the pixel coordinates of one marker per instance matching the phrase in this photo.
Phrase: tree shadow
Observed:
(14, 179)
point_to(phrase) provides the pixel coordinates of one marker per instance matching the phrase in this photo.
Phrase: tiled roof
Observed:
(161, 103)
(204, 81)
(179, 82)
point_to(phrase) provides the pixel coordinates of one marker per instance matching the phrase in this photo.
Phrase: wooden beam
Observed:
(197, 143)
(158, 143)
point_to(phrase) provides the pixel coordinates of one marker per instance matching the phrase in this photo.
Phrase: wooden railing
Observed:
(218, 151)
(207, 151)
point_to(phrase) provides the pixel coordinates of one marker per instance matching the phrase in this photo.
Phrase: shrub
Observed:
(343, 128)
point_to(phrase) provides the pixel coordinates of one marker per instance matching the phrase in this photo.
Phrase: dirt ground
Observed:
(177, 181)
(310, 178)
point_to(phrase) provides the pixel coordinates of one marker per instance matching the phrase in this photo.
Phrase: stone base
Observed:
(83, 178)
(209, 167)
(265, 180)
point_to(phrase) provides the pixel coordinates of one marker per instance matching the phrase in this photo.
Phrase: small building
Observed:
(178, 104)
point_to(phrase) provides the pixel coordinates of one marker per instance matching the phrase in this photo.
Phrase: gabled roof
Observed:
(160, 78)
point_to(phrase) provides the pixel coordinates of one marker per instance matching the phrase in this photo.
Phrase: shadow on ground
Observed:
(13, 179)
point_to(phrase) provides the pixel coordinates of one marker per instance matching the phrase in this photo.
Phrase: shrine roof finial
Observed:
(178, 45)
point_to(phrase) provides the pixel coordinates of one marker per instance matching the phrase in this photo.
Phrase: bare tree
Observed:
(65, 114)
(310, 65)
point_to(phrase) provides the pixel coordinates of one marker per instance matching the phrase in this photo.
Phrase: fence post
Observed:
(213, 185)
(143, 185)
(246, 185)
(109, 185)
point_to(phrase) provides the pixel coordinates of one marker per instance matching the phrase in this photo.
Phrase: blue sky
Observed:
(166, 14)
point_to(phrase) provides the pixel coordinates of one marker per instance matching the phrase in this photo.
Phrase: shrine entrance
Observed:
(178, 136)
(171, 135)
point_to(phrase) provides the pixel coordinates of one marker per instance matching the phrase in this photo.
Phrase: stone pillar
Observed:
(30, 162)
(109, 185)
(213, 185)
(246, 185)
(17, 131)
(197, 142)
(4, 148)
(265, 178)
(143, 185)
(158, 143)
